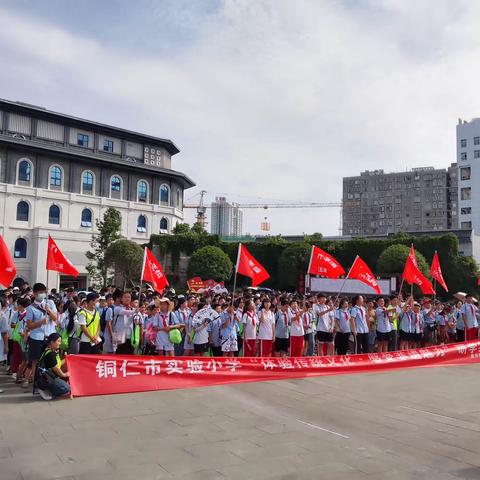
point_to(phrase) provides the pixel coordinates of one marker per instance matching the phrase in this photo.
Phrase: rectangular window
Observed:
(466, 225)
(108, 146)
(476, 140)
(466, 211)
(476, 154)
(463, 142)
(465, 173)
(465, 193)
(82, 140)
(463, 156)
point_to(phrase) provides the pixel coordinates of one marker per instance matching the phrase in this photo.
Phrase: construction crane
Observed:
(202, 208)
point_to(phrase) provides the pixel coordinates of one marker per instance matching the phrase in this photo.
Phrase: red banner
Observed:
(197, 285)
(107, 374)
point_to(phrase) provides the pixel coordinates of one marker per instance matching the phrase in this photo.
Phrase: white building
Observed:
(468, 156)
(227, 218)
(59, 174)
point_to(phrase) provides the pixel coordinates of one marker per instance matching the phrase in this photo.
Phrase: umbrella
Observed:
(461, 296)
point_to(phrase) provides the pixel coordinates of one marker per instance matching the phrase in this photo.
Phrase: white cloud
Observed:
(275, 99)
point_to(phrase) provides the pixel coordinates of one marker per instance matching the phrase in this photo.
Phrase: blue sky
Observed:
(265, 98)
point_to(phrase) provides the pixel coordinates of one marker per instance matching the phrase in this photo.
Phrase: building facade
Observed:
(227, 218)
(59, 174)
(468, 158)
(377, 203)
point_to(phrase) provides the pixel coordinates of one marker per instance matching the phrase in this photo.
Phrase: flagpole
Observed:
(401, 286)
(434, 289)
(236, 269)
(143, 266)
(344, 281)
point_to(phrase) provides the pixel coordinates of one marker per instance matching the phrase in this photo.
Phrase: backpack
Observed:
(103, 318)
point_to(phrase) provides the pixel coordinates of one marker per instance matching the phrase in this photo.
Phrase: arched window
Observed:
(163, 225)
(116, 187)
(54, 215)
(141, 224)
(55, 181)
(20, 249)
(86, 218)
(165, 195)
(23, 209)
(87, 183)
(142, 191)
(25, 172)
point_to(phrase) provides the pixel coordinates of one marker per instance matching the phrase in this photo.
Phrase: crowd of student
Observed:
(38, 328)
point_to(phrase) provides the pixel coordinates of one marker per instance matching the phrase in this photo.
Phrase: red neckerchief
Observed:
(285, 319)
(252, 318)
(164, 319)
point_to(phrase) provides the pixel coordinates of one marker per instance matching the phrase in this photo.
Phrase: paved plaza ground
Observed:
(411, 424)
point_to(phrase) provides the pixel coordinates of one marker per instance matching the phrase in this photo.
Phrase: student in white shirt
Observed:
(296, 329)
(162, 324)
(309, 340)
(342, 321)
(469, 314)
(250, 323)
(266, 331)
(360, 326)
(122, 326)
(325, 325)
(384, 327)
(200, 323)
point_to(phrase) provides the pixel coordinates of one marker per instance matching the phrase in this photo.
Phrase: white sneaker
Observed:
(44, 394)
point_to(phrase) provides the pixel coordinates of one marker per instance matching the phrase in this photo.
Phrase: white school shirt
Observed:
(343, 318)
(360, 317)
(122, 323)
(250, 321)
(307, 322)
(323, 321)
(296, 327)
(470, 312)
(265, 329)
(202, 316)
(383, 323)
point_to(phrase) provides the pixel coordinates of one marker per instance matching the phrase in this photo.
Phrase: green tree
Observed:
(181, 228)
(292, 263)
(210, 262)
(108, 230)
(125, 258)
(392, 260)
(314, 238)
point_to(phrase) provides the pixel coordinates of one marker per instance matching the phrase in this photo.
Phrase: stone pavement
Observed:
(411, 424)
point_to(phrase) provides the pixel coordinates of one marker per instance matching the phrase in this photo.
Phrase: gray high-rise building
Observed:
(422, 199)
(227, 218)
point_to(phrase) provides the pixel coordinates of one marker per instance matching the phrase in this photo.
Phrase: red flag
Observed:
(360, 271)
(413, 256)
(57, 261)
(249, 266)
(7, 267)
(322, 263)
(412, 274)
(152, 272)
(436, 271)
(411, 266)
